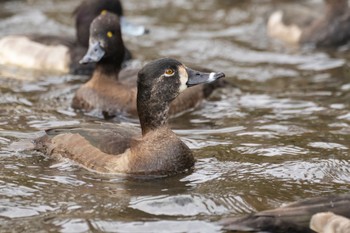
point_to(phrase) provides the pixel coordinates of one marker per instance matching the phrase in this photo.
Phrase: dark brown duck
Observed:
(112, 90)
(330, 28)
(123, 149)
(58, 53)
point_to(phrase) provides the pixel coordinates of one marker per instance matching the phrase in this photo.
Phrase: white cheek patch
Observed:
(183, 79)
(20, 51)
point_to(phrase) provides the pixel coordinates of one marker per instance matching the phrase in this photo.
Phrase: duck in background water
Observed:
(113, 148)
(331, 28)
(59, 53)
(321, 214)
(112, 90)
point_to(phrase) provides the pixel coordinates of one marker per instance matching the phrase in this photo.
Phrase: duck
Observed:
(330, 29)
(112, 90)
(329, 214)
(153, 150)
(60, 54)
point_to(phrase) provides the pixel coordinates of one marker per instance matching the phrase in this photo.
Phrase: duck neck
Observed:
(336, 7)
(153, 112)
(107, 69)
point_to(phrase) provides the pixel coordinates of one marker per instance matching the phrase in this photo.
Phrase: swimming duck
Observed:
(59, 53)
(331, 28)
(111, 91)
(298, 217)
(156, 150)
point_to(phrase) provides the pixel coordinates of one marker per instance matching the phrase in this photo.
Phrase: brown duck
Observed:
(61, 53)
(113, 91)
(112, 148)
(331, 27)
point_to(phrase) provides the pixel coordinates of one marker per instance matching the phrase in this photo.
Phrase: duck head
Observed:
(160, 82)
(105, 43)
(88, 10)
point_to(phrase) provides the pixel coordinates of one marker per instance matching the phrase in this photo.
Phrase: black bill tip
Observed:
(196, 77)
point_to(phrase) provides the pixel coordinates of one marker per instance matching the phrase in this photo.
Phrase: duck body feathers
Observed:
(75, 50)
(332, 31)
(117, 149)
(292, 218)
(328, 222)
(26, 53)
(107, 95)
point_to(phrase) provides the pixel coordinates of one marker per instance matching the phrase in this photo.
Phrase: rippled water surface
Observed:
(282, 134)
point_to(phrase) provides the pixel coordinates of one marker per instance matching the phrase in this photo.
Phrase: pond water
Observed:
(282, 134)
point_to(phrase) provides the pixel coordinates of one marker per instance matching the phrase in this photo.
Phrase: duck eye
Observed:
(169, 72)
(109, 34)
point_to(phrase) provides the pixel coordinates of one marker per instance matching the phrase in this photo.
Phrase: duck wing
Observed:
(102, 148)
(108, 138)
(53, 40)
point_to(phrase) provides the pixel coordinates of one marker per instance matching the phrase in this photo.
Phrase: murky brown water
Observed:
(283, 135)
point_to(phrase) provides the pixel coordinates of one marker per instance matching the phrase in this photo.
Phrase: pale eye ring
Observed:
(169, 72)
(109, 34)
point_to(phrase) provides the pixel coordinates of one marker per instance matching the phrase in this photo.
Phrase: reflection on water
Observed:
(281, 135)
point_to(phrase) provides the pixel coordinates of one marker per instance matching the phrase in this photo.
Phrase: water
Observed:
(282, 135)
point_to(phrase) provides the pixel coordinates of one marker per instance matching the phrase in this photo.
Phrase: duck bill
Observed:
(196, 77)
(131, 29)
(94, 54)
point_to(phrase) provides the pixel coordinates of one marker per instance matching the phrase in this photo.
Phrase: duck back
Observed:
(30, 54)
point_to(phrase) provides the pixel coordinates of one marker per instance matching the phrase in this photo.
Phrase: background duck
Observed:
(331, 28)
(298, 217)
(120, 149)
(59, 53)
(108, 93)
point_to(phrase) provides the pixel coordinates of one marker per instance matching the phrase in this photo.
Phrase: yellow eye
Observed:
(103, 12)
(169, 72)
(109, 34)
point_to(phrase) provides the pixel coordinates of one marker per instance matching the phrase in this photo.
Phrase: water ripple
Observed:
(264, 150)
(165, 226)
(180, 205)
(327, 145)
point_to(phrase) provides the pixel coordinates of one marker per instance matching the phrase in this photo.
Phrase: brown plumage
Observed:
(110, 148)
(107, 94)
